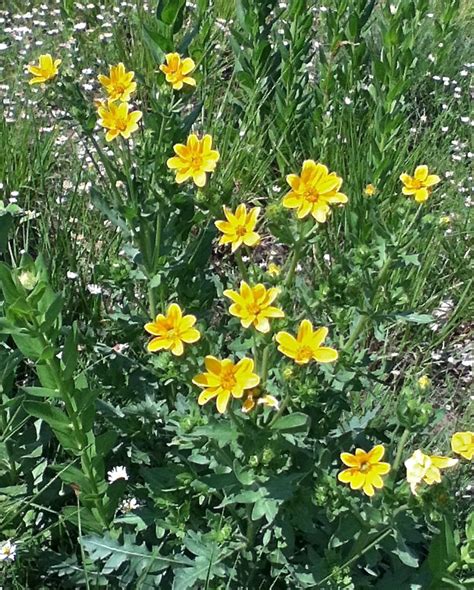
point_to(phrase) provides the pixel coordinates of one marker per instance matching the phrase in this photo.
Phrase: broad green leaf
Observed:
(296, 422)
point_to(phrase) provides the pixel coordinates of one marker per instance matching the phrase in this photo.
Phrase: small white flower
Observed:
(7, 551)
(94, 289)
(116, 473)
(71, 275)
(128, 505)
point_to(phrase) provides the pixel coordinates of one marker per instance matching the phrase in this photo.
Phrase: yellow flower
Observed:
(177, 70)
(424, 382)
(462, 443)
(118, 120)
(445, 220)
(172, 330)
(273, 269)
(420, 185)
(421, 467)
(240, 227)
(314, 191)
(194, 159)
(370, 190)
(47, 69)
(118, 83)
(307, 345)
(266, 400)
(224, 380)
(253, 305)
(364, 470)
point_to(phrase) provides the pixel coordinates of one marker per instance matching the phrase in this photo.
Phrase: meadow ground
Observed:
(222, 275)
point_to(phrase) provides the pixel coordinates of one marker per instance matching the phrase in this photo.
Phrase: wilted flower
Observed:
(365, 469)
(420, 185)
(177, 70)
(119, 83)
(172, 330)
(307, 345)
(194, 159)
(254, 397)
(462, 443)
(47, 69)
(314, 191)
(240, 227)
(7, 551)
(253, 305)
(421, 467)
(370, 190)
(118, 120)
(116, 473)
(424, 382)
(273, 269)
(224, 379)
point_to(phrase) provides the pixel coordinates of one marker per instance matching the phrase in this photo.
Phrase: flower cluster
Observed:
(114, 114)
(365, 468)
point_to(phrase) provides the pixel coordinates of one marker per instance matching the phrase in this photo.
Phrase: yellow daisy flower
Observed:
(314, 191)
(425, 468)
(172, 330)
(462, 443)
(194, 159)
(420, 185)
(118, 120)
(119, 83)
(47, 69)
(240, 227)
(307, 345)
(177, 70)
(365, 470)
(224, 380)
(253, 305)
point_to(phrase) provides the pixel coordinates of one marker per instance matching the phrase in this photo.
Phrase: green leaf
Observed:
(54, 417)
(69, 356)
(10, 291)
(42, 392)
(443, 551)
(296, 422)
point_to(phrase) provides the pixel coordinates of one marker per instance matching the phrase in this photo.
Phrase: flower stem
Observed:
(241, 265)
(401, 446)
(294, 261)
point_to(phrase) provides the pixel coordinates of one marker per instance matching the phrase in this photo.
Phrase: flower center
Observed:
(304, 353)
(364, 467)
(254, 308)
(240, 230)
(417, 183)
(228, 379)
(121, 124)
(196, 161)
(311, 195)
(119, 88)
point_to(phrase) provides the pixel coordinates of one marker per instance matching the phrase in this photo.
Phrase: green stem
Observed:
(294, 261)
(359, 327)
(401, 446)
(264, 367)
(282, 408)
(241, 265)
